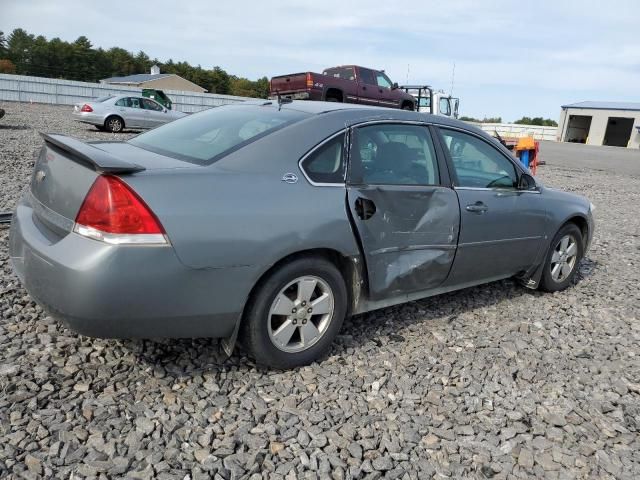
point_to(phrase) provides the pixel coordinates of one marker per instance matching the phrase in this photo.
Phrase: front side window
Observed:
(151, 105)
(204, 137)
(383, 80)
(478, 164)
(326, 164)
(393, 154)
(445, 106)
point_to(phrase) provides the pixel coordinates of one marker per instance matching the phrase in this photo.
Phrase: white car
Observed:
(115, 113)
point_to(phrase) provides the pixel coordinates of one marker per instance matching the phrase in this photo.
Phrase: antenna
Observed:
(453, 76)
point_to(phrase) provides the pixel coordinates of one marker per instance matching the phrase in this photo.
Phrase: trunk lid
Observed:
(289, 83)
(66, 169)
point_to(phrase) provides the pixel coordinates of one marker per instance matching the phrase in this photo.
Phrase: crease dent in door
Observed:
(416, 249)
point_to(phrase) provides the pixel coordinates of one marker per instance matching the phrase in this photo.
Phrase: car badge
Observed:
(40, 175)
(290, 178)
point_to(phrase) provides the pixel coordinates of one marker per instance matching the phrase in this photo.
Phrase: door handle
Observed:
(477, 207)
(365, 208)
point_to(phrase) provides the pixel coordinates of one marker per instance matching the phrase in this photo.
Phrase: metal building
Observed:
(601, 123)
(156, 80)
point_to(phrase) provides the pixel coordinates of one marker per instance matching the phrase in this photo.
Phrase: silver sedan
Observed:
(115, 113)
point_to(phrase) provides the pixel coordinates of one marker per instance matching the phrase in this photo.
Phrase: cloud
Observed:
(511, 60)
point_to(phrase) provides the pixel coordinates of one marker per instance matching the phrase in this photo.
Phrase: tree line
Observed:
(547, 122)
(23, 53)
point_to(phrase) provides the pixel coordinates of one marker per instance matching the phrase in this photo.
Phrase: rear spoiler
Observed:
(97, 159)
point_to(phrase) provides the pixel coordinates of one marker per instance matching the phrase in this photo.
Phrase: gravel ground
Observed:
(495, 381)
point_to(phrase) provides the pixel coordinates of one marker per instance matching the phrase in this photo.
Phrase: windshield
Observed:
(205, 137)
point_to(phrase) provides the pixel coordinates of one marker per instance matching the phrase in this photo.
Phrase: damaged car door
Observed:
(406, 217)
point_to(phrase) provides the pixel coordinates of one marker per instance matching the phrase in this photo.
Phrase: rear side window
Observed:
(204, 137)
(122, 102)
(393, 154)
(326, 163)
(346, 73)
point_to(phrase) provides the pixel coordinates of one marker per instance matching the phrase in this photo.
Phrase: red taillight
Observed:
(309, 80)
(112, 207)
(86, 108)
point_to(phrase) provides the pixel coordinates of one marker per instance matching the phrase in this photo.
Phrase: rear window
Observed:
(205, 137)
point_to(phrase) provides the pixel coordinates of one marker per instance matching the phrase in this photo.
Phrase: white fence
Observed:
(513, 130)
(20, 88)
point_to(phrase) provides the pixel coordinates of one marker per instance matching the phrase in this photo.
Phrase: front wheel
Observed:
(295, 313)
(565, 252)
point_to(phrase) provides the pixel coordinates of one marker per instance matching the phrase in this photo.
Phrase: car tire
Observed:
(408, 107)
(114, 124)
(333, 99)
(279, 317)
(563, 259)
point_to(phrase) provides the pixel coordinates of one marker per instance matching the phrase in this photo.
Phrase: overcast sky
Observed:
(511, 59)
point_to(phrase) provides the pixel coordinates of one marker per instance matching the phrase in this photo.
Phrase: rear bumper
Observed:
(110, 291)
(88, 117)
(312, 94)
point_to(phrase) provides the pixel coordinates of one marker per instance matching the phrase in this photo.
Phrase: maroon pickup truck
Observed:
(347, 83)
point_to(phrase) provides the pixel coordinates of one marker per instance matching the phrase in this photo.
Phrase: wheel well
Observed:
(582, 224)
(344, 265)
(408, 103)
(334, 93)
(114, 115)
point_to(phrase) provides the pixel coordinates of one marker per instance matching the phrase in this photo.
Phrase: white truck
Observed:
(431, 101)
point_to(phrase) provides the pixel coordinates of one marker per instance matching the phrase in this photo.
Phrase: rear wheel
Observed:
(114, 124)
(295, 313)
(407, 106)
(563, 259)
(332, 99)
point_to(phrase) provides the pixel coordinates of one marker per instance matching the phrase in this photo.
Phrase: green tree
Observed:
(547, 122)
(79, 60)
(3, 45)
(19, 46)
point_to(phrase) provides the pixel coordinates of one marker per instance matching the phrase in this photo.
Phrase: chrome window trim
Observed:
(497, 190)
(313, 150)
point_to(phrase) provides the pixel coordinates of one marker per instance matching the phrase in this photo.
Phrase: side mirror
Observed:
(165, 110)
(394, 86)
(526, 182)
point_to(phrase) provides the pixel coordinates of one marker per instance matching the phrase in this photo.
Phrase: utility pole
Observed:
(453, 76)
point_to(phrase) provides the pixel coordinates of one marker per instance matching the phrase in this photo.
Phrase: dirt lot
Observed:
(492, 382)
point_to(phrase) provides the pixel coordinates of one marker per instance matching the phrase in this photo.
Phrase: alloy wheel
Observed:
(115, 125)
(301, 314)
(563, 259)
